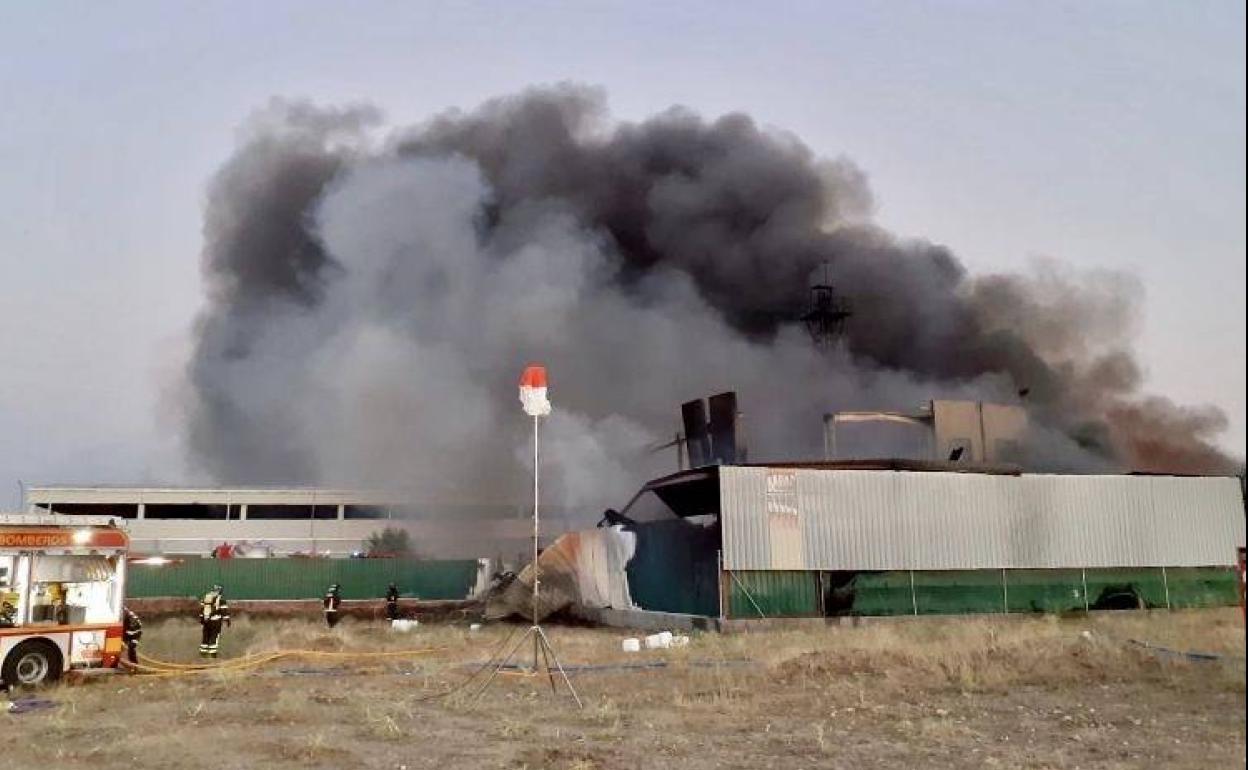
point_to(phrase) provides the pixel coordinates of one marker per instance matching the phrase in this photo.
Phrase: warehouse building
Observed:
(281, 522)
(902, 537)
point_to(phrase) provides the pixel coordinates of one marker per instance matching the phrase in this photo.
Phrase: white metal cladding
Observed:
(743, 518)
(890, 520)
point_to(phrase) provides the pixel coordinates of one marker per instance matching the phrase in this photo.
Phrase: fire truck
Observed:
(62, 582)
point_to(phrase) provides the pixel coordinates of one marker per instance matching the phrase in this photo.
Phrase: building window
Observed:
(365, 512)
(195, 511)
(116, 510)
(291, 512)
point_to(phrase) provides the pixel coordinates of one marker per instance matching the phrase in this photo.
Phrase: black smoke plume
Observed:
(370, 303)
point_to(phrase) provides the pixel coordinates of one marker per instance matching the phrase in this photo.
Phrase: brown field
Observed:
(949, 693)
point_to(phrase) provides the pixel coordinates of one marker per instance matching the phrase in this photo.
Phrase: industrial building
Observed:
(283, 522)
(902, 537)
(955, 531)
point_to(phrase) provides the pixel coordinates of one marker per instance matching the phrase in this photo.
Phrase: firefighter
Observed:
(392, 602)
(330, 604)
(8, 615)
(131, 633)
(213, 611)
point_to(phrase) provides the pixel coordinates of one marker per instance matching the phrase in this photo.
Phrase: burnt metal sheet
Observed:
(687, 493)
(881, 520)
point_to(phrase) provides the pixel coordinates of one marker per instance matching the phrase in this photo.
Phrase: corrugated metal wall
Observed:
(806, 519)
(305, 578)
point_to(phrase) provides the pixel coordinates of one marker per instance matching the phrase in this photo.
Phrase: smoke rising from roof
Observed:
(370, 304)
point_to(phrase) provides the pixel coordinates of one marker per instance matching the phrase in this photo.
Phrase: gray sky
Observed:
(1108, 135)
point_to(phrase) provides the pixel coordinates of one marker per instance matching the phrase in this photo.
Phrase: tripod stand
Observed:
(543, 651)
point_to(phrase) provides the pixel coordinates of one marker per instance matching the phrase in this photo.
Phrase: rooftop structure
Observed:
(958, 431)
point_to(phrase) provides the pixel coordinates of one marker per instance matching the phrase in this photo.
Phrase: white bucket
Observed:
(631, 644)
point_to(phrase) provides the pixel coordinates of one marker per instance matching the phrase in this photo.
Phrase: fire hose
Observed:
(151, 667)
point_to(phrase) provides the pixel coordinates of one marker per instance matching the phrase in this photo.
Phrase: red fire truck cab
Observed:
(62, 584)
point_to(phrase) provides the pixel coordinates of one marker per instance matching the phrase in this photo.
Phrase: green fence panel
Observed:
(1203, 586)
(1044, 590)
(436, 580)
(957, 592)
(305, 578)
(881, 593)
(1025, 591)
(1121, 588)
(777, 594)
(948, 592)
(187, 578)
(926, 593)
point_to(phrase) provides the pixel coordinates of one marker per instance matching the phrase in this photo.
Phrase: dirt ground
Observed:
(951, 693)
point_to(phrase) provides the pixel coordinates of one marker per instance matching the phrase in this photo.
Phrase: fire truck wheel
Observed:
(31, 664)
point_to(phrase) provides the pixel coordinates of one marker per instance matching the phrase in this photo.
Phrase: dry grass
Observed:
(991, 655)
(1001, 693)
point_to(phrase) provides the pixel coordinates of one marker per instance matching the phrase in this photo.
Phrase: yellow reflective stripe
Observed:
(112, 644)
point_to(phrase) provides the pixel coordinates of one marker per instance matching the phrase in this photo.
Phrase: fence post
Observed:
(719, 584)
(914, 602)
(748, 595)
(1165, 582)
(1005, 593)
(1084, 572)
(1242, 564)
